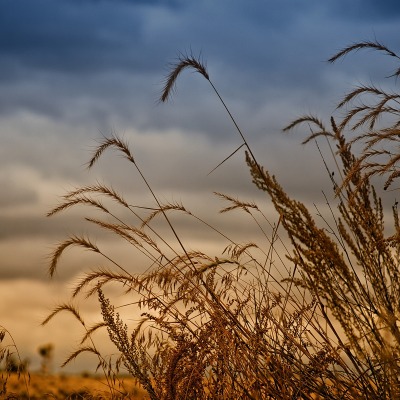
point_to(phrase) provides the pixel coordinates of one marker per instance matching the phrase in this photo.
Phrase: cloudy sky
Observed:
(74, 70)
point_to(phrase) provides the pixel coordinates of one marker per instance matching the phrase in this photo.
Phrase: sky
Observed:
(74, 71)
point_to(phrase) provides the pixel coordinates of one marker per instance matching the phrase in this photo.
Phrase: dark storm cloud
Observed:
(93, 36)
(67, 36)
(109, 58)
(367, 10)
(84, 37)
(102, 62)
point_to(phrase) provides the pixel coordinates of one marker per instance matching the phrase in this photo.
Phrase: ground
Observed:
(68, 387)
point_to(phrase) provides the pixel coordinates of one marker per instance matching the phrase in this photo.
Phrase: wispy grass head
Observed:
(184, 61)
(362, 45)
(115, 142)
(366, 45)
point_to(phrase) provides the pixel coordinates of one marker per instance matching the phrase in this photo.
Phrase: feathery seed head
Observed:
(183, 62)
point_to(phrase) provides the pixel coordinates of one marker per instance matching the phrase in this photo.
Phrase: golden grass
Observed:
(64, 386)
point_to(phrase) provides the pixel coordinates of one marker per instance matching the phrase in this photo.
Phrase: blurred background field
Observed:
(65, 386)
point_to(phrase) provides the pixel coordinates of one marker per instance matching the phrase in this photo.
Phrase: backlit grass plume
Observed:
(183, 62)
(374, 115)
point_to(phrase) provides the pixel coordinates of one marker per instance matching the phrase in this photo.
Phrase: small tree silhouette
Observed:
(46, 352)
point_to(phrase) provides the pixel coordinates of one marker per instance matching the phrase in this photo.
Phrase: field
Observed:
(69, 387)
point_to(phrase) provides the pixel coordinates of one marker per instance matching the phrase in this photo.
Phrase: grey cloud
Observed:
(108, 59)
(63, 36)
(73, 37)
(367, 10)
(26, 226)
(14, 194)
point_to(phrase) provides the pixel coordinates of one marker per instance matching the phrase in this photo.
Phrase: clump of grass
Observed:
(12, 363)
(246, 323)
(367, 106)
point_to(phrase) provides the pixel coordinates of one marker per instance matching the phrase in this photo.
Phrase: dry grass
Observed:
(62, 387)
(318, 321)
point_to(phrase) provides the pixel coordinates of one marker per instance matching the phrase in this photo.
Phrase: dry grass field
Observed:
(70, 387)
